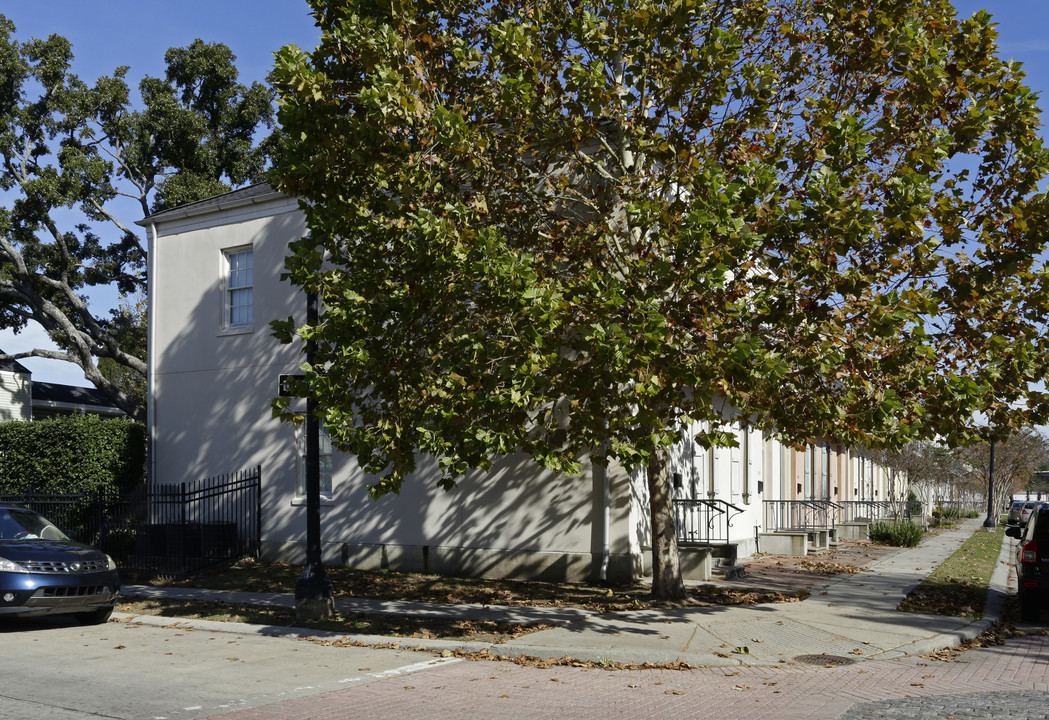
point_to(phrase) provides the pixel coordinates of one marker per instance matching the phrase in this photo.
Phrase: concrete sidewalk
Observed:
(850, 618)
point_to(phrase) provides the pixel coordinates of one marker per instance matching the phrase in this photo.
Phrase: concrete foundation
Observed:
(459, 562)
(852, 531)
(697, 563)
(784, 543)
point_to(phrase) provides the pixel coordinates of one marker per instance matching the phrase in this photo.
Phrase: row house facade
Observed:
(214, 367)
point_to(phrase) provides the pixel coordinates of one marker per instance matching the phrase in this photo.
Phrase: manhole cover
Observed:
(823, 660)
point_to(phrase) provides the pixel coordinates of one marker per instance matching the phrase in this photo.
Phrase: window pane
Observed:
(324, 462)
(240, 307)
(240, 269)
(239, 295)
(325, 475)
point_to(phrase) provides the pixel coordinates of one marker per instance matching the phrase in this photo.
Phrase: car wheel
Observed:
(95, 617)
(1029, 610)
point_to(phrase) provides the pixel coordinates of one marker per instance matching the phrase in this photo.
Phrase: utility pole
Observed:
(314, 595)
(990, 523)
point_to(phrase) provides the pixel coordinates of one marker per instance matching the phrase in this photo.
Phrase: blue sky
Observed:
(138, 32)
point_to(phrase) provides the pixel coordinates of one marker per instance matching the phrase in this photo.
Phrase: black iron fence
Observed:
(704, 522)
(802, 515)
(872, 510)
(168, 530)
(827, 514)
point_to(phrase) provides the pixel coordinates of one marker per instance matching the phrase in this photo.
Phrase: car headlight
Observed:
(8, 566)
(112, 563)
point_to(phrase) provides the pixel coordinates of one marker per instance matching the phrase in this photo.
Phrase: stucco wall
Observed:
(210, 413)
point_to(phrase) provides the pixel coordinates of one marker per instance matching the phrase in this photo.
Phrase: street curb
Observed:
(279, 631)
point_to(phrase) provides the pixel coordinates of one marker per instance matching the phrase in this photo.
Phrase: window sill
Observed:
(301, 502)
(236, 330)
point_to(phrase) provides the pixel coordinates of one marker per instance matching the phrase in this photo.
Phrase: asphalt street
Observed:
(54, 668)
(169, 673)
(871, 662)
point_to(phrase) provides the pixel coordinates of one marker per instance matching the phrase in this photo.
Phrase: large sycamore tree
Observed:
(80, 162)
(572, 228)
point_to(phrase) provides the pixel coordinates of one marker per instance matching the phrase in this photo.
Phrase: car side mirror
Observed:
(1014, 532)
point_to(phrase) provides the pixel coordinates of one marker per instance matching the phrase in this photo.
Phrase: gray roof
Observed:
(47, 394)
(14, 366)
(258, 192)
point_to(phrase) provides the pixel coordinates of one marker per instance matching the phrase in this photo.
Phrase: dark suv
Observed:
(1032, 563)
(42, 571)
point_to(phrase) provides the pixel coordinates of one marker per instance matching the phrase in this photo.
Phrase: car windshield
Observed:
(18, 524)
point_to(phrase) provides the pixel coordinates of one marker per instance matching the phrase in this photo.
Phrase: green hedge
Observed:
(74, 453)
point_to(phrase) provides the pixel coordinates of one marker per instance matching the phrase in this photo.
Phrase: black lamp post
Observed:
(990, 522)
(313, 590)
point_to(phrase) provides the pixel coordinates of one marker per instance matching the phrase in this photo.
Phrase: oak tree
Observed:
(80, 162)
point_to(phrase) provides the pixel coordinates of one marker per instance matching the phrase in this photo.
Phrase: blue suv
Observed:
(43, 572)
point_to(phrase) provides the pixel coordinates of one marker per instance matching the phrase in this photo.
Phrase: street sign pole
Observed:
(314, 596)
(990, 522)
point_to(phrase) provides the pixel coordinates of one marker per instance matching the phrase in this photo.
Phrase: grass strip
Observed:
(958, 587)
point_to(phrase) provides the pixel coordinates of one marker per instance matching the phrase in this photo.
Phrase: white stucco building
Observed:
(214, 366)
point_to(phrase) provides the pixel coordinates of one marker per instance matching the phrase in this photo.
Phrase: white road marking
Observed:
(406, 669)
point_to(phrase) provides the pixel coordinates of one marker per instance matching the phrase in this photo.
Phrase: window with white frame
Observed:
(239, 291)
(324, 461)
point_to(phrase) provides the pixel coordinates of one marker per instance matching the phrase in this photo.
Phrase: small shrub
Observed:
(947, 514)
(945, 517)
(898, 534)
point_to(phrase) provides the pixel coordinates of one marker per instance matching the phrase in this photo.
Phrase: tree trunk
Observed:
(666, 564)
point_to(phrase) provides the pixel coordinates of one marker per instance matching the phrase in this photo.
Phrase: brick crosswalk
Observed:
(508, 691)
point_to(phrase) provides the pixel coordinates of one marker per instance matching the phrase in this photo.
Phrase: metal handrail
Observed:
(806, 514)
(695, 520)
(875, 510)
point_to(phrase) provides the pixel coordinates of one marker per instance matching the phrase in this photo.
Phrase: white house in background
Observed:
(16, 393)
(215, 270)
(22, 398)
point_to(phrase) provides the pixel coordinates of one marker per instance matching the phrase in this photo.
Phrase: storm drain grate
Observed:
(823, 660)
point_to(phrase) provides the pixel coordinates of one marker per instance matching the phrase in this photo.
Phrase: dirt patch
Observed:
(790, 573)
